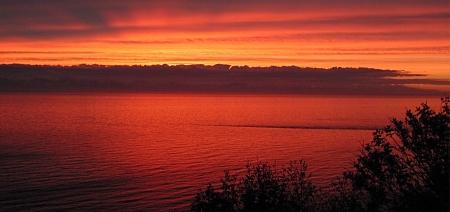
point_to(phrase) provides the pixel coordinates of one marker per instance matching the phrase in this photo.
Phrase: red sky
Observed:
(408, 35)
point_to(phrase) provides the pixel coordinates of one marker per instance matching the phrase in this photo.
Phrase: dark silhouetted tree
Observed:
(262, 188)
(404, 168)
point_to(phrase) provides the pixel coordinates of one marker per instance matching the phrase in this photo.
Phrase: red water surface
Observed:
(154, 152)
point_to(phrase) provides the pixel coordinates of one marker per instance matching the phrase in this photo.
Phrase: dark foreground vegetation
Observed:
(404, 168)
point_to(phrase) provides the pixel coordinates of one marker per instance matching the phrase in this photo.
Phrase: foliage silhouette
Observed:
(263, 188)
(404, 168)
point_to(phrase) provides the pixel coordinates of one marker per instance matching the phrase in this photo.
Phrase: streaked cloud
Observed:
(264, 32)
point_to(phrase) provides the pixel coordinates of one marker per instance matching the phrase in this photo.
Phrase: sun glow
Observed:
(386, 35)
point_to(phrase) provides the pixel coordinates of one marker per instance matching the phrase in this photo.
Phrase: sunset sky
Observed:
(408, 35)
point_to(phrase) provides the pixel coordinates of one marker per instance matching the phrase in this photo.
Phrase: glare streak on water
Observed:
(154, 152)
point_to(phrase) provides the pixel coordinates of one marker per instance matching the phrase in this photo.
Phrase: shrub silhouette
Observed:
(262, 188)
(225, 200)
(404, 168)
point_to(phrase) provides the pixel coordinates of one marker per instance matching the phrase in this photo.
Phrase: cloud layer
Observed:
(217, 79)
(286, 32)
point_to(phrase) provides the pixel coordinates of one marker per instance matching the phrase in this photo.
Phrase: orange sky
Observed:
(408, 35)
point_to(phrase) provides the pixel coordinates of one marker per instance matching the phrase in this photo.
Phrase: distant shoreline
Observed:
(224, 94)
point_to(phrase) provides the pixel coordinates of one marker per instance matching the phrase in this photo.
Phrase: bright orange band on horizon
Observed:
(410, 35)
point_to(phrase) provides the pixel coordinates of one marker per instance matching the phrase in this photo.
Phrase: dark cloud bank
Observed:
(213, 79)
(52, 19)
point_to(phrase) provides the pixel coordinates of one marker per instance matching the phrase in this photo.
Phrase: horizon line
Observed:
(216, 64)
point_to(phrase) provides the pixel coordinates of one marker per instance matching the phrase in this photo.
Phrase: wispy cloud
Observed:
(289, 32)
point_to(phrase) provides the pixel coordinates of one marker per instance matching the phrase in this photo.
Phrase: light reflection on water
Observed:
(138, 151)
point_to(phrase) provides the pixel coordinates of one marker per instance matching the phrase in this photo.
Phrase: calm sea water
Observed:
(154, 152)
